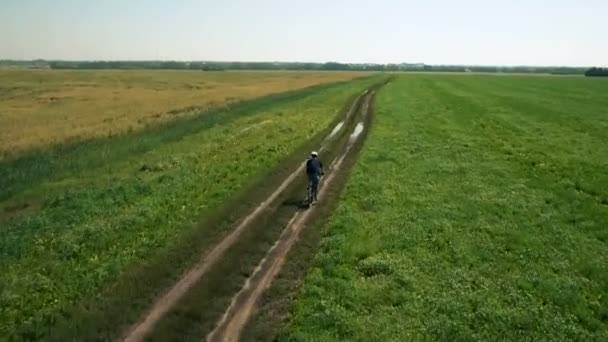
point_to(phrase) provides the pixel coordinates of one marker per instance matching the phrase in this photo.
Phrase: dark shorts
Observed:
(313, 182)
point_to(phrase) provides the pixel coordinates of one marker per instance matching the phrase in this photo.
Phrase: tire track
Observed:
(243, 303)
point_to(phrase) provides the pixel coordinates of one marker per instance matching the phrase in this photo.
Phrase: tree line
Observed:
(329, 66)
(294, 66)
(596, 72)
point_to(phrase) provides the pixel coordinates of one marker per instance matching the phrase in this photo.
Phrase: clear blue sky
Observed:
(490, 32)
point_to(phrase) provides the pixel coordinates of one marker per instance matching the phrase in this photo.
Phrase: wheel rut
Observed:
(243, 303)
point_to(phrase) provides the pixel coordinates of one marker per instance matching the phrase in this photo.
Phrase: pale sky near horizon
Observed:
(491, 32)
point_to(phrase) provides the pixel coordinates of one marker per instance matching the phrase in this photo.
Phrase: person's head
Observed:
(314, 154)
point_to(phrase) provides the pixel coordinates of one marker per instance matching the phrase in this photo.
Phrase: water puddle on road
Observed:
(336, 129)
(357, 131)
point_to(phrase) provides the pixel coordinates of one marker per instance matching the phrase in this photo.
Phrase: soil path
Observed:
(162, 305)
(243, 303)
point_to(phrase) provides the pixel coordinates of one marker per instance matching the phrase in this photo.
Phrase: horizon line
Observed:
(294, 62)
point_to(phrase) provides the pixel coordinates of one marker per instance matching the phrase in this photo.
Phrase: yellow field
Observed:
(42, 107)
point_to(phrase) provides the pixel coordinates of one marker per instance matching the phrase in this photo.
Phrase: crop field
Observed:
(42, 107)
(79, 220)
(454, 207)
(478, 210)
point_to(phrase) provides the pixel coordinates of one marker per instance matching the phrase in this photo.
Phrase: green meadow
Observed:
(478, 210)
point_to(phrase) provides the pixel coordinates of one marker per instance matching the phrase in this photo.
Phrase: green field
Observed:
(77, 220)
(478, 210)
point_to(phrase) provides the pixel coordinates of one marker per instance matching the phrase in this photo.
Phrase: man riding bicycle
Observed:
(314, 171)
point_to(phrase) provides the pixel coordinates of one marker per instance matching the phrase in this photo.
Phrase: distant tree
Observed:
(335, 66)
(174, 65)
(597, 72)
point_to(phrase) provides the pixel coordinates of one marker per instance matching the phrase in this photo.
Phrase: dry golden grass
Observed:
(43, 107)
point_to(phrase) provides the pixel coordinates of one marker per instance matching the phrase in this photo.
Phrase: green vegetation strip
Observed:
(477, 211)
(89, 214)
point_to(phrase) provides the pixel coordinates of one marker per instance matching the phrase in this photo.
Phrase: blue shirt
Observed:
(314, 167)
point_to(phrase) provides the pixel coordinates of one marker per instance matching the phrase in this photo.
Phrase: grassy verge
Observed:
(477, 211)
(109, 205)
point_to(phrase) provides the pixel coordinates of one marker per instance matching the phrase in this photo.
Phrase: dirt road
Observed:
(243, 304)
